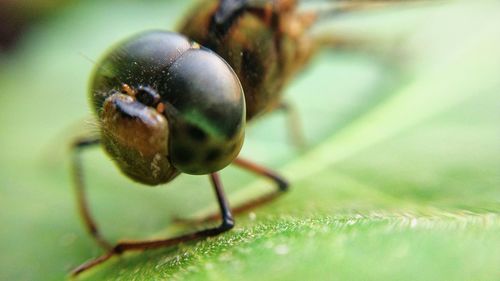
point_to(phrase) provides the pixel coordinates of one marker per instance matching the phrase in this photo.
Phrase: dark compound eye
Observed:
(213, 155)
(210, 111)
(197, 134)
(140, 61)
(184, 155)
(201, 99)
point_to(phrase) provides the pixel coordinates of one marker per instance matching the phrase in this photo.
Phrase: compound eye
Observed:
(201, 152)
(207, 128)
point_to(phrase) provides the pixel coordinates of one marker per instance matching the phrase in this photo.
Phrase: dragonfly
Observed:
(169, 103)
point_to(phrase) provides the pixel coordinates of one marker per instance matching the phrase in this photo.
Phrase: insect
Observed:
(170, 103)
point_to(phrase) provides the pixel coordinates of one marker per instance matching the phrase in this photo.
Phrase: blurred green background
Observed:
(399, 180)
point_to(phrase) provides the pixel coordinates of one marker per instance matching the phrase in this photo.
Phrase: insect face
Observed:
(165, 106)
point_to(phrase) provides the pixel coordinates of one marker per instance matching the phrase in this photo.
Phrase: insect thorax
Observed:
(258, 46)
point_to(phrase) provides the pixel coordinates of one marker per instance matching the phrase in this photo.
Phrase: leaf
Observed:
(399, 181)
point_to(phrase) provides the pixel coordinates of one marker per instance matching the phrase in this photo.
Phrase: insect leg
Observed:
(79, 183)
(282, 185)
(227, 224)
(294, 124)
(281, 188)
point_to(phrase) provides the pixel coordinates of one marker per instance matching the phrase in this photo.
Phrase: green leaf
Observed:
(399, 180)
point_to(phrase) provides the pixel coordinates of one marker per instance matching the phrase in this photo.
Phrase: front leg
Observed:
(295, 130)
(281, 186)
(122, 247)
(80, 190)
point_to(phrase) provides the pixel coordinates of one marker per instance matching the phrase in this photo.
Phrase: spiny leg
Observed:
(281, 187)
(81, 197)
(227, 224)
